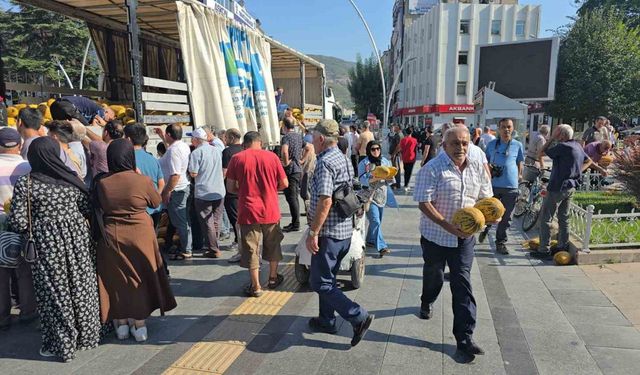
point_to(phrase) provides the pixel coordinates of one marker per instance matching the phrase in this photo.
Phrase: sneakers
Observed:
(140, 334)
(235, 258)
(384, 252)
(291, 228)
(427, 313)
(212, 254)
(122, 331)
(361, 330)
(224, 236)
(317, 326)
(501, 248)
(470, 348)
(544, 255)
(232, 247)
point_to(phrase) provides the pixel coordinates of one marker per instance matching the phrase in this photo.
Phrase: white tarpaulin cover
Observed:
(228, 71)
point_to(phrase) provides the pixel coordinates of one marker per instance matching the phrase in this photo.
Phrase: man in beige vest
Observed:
(365, 137)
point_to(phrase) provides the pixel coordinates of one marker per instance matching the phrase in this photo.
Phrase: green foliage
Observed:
(598, 69)
(34, 40)
(630, 9)
(607, 202)
(365, 87)
(338, 78)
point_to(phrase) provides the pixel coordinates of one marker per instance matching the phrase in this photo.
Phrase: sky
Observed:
(332, 27)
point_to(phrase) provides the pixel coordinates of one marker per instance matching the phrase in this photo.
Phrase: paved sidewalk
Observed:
(533, 317)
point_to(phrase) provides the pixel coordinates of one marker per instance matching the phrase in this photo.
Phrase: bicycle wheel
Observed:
(531, 216)
(524, 189)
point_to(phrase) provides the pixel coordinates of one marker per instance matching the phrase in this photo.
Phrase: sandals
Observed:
(181, 256)
(275, 282)
(250, 292)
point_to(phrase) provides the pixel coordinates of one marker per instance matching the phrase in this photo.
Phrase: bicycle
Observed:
(534, 192)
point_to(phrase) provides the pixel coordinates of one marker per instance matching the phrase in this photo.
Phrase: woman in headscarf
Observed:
(379, 198)
(53, 204)
(131, 277)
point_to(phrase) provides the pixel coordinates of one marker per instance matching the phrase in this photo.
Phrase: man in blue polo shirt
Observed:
(505, 156)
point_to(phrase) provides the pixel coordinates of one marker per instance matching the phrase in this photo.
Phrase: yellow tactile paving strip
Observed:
(222, 346)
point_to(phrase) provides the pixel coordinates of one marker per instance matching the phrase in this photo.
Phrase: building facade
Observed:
(439, 47)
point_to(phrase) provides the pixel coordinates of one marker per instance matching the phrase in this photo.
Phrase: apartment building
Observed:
(439, 47)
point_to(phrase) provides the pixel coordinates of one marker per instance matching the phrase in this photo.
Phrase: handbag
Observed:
(345, 201)
(14, 246)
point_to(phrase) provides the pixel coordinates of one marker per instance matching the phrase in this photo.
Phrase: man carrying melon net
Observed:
(447, 188)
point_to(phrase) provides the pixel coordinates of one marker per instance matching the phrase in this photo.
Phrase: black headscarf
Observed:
(372, 159)
(47, 167)
(121, 156)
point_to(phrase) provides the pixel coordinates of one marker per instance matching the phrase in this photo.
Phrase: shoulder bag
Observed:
(13, 246)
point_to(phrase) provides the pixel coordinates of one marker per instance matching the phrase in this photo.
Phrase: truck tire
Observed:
(357, 273)
(302, 272)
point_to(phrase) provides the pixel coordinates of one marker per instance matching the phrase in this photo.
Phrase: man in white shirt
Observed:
(174, 164)
(486, 135)
(447, 183)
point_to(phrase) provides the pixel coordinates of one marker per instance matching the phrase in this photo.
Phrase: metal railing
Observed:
(604, 231)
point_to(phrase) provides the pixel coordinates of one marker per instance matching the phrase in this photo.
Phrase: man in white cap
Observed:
(205, 166)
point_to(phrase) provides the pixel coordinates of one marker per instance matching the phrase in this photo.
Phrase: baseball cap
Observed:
(328, 128)
(9, 138)
(199, 133)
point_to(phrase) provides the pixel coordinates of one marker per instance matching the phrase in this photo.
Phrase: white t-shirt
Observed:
(486, 138)
(176, 161)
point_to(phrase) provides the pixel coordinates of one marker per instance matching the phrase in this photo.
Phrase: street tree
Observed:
(34, 40)
(630, 9)
(365, 87)
(598, 69)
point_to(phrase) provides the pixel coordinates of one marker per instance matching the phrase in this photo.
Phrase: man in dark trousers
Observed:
(449, 182)
(291, 154)
(329, 237)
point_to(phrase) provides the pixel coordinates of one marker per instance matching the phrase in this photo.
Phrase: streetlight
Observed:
(375, 50)
(393, 86)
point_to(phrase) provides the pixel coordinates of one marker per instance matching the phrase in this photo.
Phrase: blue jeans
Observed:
(324, 268)
(179, 216)
(374, 233)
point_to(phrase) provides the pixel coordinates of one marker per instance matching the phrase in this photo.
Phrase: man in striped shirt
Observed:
(13, 166)
(447, 183)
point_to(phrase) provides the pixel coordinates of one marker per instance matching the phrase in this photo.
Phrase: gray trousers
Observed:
(555, 201)
(210, 218)
(179, 216)
(508, 198)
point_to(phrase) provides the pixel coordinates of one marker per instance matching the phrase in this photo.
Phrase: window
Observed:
(464, 26)
(519, 28)
(429, 61)
(421, 64)
(461, 88)
(496, 25)
(430, 31)
(463, 56)
(420, 93)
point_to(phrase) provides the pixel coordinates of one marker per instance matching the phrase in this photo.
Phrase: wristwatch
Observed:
(313, 233)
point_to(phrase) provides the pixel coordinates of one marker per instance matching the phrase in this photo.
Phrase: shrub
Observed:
(606, 202)
(627, 169)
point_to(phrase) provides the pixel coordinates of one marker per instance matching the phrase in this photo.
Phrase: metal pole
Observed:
(65, 73)
(393, 86)
(375, 50)
(84, 62)
(134, 51)
(303, 86)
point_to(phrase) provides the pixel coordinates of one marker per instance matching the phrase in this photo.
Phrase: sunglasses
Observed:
(375, 148)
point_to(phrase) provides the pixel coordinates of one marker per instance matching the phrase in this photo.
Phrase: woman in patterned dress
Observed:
(64, 275)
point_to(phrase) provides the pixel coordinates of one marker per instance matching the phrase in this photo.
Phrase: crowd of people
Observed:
(93, 204)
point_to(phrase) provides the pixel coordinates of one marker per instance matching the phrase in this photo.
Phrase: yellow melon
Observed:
(491, 208)
(50, 101)
(20, 106)
(12, 112)
(605, 161)
(469, 219)
(11, 122)
(384, 172)
(7, 206)
(562, 258)
(120, 110)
